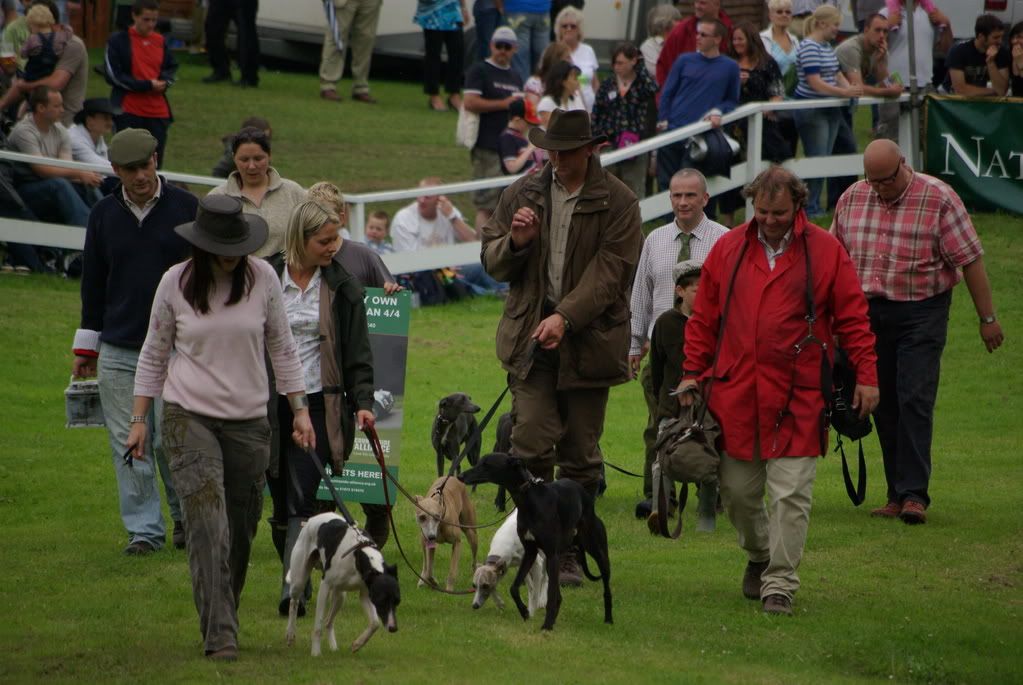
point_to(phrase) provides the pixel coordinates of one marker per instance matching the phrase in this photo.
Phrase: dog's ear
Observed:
(502, 566)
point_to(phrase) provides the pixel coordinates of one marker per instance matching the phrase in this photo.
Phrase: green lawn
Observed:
(880, 601)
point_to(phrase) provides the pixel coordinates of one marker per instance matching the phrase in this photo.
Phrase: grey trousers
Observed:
(217, 467)
(776, 534)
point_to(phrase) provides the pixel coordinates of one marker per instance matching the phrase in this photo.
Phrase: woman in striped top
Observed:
(819, 76)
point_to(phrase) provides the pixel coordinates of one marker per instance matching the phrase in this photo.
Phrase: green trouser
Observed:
(777, 533)
(217, 468)
(357, 20)
(650, 432)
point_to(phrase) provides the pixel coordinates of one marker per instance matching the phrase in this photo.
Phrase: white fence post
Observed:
(754, 148)
(357, 221)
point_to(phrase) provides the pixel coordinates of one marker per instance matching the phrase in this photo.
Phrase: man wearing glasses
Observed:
(909, 235)
(490, 88)
(683, 37)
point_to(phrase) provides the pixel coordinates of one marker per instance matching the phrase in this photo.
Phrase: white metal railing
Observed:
(73, 237)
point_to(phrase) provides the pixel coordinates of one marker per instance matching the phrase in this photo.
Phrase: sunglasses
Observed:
(570, 26)
(701, 34)
(504, 46)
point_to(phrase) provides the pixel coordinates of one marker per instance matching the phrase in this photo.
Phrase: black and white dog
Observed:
(453, 427)
(350, 562)
(552, 517)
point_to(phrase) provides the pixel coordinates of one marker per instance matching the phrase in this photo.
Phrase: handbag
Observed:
(467, 129)
(686, 447)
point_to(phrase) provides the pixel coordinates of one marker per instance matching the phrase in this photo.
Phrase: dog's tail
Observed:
(586, 569)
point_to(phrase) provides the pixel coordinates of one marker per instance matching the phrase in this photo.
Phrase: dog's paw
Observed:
(357, 645)
(315, 650)
(332, 643)
(289, 638)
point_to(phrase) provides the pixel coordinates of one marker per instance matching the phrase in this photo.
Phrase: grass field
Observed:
(880, 601)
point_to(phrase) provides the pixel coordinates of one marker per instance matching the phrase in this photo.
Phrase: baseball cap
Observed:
(504, 35)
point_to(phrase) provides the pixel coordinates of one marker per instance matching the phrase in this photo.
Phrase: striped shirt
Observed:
(653, 292)
(912, 248)
(815, 58)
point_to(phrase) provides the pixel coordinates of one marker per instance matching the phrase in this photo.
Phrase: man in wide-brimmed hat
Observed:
(567, 240)
(129, 243)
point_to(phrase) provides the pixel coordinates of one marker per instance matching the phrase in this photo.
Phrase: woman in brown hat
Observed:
(218, 312)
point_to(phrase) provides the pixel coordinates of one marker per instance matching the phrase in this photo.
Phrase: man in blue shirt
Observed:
(701, 85)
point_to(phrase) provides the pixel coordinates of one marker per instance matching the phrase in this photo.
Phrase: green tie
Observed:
(683, 253)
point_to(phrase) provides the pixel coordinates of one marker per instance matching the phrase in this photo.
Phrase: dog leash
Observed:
(347, 515)
(619, 469)
(378, 452)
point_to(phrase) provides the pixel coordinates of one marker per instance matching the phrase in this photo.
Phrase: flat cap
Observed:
(685, 268)
(132, 146)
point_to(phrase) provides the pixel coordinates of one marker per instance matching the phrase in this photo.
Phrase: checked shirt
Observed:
(912, 248)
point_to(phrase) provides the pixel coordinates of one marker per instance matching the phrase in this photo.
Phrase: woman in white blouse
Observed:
(568, 29)
(561, 91)
(781, 43)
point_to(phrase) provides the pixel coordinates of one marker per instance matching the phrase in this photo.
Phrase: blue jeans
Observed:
(534, 34)
(910, 340)
(818, 129)
(487, 20)
(137, 488)
(479, 280)
(55, 200)
(845, 144)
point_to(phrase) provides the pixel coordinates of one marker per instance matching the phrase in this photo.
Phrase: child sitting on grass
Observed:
(377, 226)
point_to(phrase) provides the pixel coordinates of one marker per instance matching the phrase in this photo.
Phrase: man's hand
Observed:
(550, 331)
(391, 288)
(991, 334)
(89, 178)
(525, 227)
(865, 398)
(854, 92)
(992, 52)
(158, 85)
(635, 359)
(83, 367)
(685, 397)
(715, 120)
(445, 207)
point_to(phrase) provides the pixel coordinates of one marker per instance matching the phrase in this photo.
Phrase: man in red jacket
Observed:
(683, 37)
(766, 391)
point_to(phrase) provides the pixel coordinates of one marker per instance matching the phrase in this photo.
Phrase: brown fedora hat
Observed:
(565, 131)
(221, 228)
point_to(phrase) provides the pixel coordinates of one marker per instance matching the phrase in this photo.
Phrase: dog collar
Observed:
(530, 483)
(361, 544)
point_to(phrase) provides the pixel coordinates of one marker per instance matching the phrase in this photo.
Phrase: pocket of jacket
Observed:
(603, 350)
(509, 329)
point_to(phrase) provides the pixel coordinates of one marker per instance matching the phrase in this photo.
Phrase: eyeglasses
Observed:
(569, 26)
(701, 34)
(887, 180)
(504, 46)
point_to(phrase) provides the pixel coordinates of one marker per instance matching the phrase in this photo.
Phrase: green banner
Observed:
(976, 146)
(388, 318)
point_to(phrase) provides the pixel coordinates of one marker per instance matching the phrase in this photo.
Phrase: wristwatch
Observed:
(137, 419)
(990, 318)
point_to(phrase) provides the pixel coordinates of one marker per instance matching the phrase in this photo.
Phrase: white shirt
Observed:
(547, 104)
(586, 59)
(773, 254)
(651, 50)
(411, 231)
(923, 40)
(84, 150)
(303, 310)
(143, 211)
(653, 292)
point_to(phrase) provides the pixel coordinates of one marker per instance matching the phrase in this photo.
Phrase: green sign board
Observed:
(976, 146)
(388, 318)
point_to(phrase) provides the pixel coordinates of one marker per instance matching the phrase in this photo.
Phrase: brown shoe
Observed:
(913, 512)
(888, 511)
(178, 536)
(330, 95)
(751, 579)
(569, 573)
(364, 97)
(778, 604)
(139, 548)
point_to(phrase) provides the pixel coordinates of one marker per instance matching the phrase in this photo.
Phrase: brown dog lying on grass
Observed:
(445, 507)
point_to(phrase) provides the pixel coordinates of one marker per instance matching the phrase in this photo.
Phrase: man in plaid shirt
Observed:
(908, 235)
(688, 237)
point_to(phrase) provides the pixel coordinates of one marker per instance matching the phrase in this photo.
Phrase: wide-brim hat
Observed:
(221, 228)
(97, 106)
(565, 131)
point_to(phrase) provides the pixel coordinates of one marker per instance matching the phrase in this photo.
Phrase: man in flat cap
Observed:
(129, 243)
(566, 240)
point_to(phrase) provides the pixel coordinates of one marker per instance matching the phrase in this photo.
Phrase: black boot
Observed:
(279, 534)
(294, 529)
(377, 526)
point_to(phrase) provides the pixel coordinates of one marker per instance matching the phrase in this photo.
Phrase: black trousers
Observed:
(243, 14)
(158, 127)
(910, 341)
(452, 41)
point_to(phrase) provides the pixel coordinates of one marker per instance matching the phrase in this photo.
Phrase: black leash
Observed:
(330, 486)
(619, 469)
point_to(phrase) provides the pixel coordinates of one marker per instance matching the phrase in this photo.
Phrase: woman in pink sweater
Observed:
(217, 312)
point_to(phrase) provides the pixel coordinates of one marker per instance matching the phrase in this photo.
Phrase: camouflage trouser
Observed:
(217, 469)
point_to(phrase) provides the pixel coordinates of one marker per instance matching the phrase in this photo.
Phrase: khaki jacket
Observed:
(604, 244)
